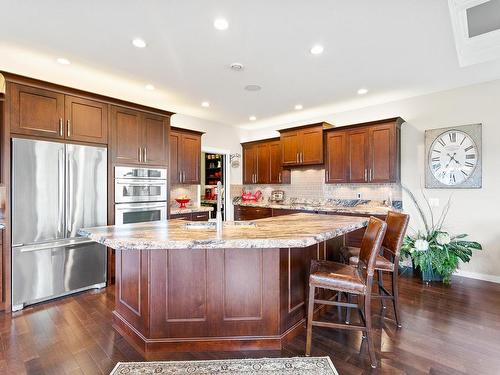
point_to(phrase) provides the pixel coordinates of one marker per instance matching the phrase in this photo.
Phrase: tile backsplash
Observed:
(192, 191)
(309, 183)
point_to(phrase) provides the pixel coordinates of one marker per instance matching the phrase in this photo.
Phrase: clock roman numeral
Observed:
(452, 178)
(443, 143)
(436, 158)
(470, 156)
(468, 164)
(453, 137)
(436, 167)
(465, 173)
(463, 140)
(469, 148)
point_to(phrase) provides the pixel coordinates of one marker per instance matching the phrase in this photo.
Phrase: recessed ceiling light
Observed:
(252, 118)
(63, 61)
(150, 87)
(205, 104)
(253, 87)
(237, 67)
(221, 24)
(298, 107)
(139, 43)
(317, 49)
(362, 91)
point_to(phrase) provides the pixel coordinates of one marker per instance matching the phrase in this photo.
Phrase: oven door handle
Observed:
(140, 208)
(142, 183)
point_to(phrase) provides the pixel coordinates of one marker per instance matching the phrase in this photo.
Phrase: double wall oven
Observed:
(140, 194)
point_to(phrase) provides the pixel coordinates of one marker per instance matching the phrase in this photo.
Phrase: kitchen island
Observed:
(182, 289)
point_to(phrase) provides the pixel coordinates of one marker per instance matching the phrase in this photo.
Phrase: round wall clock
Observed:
(453, 157)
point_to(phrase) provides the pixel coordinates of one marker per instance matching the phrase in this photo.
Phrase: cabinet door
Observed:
(336, 168)
(190, 158)
(263, 163)
(278, 175)
(382, 153)
(126, 135)
(290, 148)
(311, 145)
(37, 112)
(200, 216)
(357, 151)
(174, 150)
(249, 164)
(86, 120)
(154, 140)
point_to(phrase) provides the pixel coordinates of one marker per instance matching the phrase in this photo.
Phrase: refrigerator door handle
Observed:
(60, 167)
(69, 197)
(28, 248)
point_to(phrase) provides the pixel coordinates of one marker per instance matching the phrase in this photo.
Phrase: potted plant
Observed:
(434, 251)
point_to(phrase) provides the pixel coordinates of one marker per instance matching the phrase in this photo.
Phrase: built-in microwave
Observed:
(127, 213)
(140, 184)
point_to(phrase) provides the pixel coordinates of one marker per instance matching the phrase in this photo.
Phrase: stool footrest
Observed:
(335, 303)
(351, 327)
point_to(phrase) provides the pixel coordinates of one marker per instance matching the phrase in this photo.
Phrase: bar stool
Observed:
(345, 278)
(387, 260)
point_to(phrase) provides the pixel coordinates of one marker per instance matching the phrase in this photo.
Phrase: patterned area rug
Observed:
(267, 366)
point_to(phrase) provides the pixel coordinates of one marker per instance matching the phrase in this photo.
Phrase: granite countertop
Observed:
(361, 209)
(189, 210)
(297, 230)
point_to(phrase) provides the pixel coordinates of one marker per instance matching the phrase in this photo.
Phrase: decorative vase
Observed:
(430, 274)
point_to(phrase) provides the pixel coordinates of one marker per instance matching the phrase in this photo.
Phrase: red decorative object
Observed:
(248, 196)
(182, 202)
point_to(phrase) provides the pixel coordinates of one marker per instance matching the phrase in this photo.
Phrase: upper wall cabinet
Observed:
(364, 153)
(304, 145)
(262, 163)
(46, 113)
(138, 137)
(185, 156)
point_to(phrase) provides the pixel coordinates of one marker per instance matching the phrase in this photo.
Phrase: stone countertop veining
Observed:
(297, 230)
(361, 209)
(189, 210)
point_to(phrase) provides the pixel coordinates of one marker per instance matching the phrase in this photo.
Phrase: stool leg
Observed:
(310, 312)
(395, 298)
(369, 332)
(379, 284)
(348, 309)
(339, 308)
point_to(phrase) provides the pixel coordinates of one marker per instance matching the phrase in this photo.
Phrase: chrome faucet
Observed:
(218, 216)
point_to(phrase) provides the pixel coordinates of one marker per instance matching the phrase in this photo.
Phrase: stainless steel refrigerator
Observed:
(57, 188)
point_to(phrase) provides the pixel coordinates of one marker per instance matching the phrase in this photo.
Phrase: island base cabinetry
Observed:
(212, 299)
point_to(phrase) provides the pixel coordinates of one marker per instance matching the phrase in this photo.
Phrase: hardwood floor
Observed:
(446, 330)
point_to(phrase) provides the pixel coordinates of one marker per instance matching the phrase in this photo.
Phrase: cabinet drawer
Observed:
(200, 216)
(252, 213)
(181, 216)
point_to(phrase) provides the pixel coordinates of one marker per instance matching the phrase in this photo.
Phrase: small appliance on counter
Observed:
(248, 196)
(277, 196)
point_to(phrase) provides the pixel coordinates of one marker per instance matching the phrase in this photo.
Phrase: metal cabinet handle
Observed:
(279, 177)
(301, 157)
(366, 174)
(140, 154)
(69, 128)
(327, 175)
(61, 127)
(145, 155)
(370, 174)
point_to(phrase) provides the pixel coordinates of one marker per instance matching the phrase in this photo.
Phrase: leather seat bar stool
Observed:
(387, 260)
(345, 278)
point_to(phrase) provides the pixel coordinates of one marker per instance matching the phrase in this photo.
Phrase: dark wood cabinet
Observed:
(50, 114)
(251, 213)
(185, 156)
(192, 216)
(364, 153)
(303, 145)
(36, 112)
(249, 163)
(86, 120)
(154, 139)
(357, 155)
(336, 157)
(138, 137)
(262, 163)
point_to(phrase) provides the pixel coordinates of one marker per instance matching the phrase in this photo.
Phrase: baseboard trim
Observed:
(478, 276)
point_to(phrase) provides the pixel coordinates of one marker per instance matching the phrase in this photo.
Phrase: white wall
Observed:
(473, 211)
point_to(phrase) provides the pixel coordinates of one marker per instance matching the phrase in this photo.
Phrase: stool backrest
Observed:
(370, 247)
(396, 229)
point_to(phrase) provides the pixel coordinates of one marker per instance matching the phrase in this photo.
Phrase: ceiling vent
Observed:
(476, 25)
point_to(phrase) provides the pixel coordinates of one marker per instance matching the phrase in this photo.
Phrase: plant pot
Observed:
(430, 274)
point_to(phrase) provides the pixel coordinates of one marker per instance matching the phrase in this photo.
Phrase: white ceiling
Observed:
(395, 48)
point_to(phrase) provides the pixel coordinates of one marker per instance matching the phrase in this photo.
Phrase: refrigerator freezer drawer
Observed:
(53, 271)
